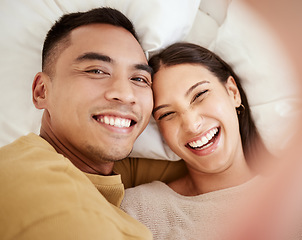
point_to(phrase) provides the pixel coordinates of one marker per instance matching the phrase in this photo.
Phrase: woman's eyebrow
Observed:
(186, 94)
(160, 107)
(195, 86)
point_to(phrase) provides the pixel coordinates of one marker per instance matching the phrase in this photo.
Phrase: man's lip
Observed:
(130, 116)
(115, 119)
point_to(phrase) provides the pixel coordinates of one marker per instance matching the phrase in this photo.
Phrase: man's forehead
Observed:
(107, 37)
(101, 28)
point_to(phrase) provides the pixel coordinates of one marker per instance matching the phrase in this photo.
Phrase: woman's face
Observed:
(197, 116)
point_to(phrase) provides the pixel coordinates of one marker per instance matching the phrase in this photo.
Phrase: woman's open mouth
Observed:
(205, 141)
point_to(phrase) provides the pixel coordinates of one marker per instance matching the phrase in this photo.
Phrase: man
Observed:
(95, 89)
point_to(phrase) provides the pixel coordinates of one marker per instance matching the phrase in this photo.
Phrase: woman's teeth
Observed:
(204, 140)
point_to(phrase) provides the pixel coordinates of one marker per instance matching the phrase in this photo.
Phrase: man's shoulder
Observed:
(26, 142)
(37, 183)
(27, 152)
(30, 168)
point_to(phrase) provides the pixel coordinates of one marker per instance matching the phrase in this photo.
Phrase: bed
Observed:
(228, 27)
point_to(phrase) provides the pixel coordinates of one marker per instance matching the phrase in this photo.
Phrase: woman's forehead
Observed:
(181, 75)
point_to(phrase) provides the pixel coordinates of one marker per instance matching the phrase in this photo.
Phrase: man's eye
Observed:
(141, 81)
(95, 71)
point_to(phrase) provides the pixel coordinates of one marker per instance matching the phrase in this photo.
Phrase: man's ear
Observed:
(40, 90)
(233, 91)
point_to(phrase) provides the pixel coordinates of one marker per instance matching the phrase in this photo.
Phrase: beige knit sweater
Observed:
(172, 216)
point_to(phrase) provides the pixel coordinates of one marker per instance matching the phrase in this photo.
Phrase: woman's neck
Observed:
(196, 183)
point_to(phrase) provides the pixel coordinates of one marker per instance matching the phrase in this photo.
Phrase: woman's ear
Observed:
(233, 91)
(40, 90)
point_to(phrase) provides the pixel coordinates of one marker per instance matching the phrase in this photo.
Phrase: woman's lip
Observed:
(213, 144)
(198, 138)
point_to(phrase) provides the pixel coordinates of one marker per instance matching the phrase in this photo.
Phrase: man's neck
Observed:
(75, 156)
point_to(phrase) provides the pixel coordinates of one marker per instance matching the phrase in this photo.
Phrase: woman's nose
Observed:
(191, 121)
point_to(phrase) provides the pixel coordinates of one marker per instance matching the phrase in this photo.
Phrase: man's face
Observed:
(99, 99)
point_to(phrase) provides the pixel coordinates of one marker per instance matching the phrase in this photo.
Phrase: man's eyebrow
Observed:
(160, 107)
(144, 67)
(93, 56)
(105, 58)
(195, 86)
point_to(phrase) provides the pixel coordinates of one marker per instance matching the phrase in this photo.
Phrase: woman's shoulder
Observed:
(147, 188)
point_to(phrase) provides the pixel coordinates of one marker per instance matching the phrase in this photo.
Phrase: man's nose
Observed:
(121, 89)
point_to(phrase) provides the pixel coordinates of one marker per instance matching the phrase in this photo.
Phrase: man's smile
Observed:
(115, 121)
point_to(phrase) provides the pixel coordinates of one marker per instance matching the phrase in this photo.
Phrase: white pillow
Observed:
(242, 39)
(24, 25)
(225, 26)
(256, 55)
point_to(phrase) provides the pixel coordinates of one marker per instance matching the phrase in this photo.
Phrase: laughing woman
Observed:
(204, 116)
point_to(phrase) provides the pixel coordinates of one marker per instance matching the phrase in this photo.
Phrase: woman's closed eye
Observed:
(165, 115)
(199, 95)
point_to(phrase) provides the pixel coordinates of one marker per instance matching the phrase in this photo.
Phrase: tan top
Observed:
(44, 196)
(171, 216)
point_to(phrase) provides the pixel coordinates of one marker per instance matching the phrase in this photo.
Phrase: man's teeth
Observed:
(114, 121)
(204, 140)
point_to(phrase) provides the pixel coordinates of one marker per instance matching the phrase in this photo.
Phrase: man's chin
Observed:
(118, 158)
(112, 154)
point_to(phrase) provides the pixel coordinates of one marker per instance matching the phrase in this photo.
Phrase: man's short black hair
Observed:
(61, 29)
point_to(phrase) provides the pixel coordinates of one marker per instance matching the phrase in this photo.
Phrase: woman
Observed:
(204, 116)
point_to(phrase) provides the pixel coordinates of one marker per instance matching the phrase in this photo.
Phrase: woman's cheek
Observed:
(170, 132)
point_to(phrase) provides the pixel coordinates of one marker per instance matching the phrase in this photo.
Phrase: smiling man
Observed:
(98, 99)
(95, 89)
